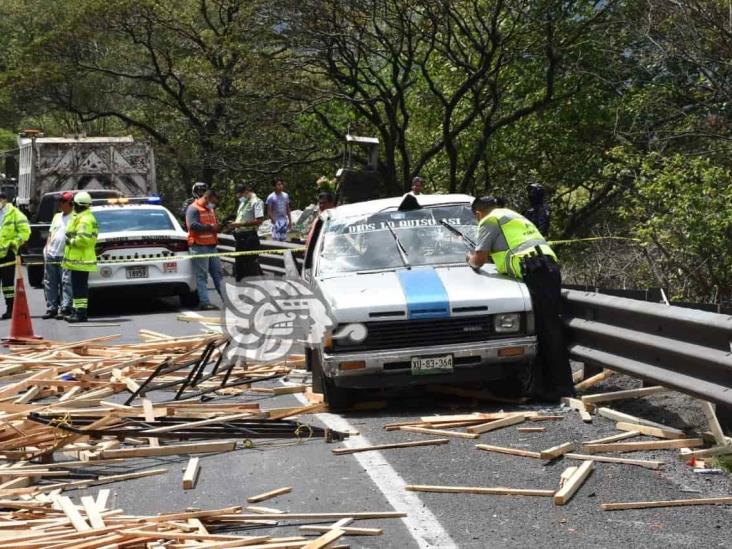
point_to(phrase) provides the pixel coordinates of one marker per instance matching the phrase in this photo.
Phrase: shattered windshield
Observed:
(365, 243)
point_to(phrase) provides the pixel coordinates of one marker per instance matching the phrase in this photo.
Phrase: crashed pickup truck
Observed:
(408, 309)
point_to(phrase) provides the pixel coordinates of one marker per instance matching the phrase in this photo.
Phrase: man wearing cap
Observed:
(14, 232)
(80, 256)
(56, 280)
(249, 216)
(519, 250)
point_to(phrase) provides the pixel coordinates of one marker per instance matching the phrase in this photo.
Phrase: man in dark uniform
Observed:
(249, 216)
(519, 250)
(538, 212)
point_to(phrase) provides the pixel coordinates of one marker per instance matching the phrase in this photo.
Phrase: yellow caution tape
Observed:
(592, 239)
(160, 259)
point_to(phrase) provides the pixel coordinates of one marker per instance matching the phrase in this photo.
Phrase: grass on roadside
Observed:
(723, 462)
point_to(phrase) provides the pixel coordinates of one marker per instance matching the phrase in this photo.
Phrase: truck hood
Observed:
(422, 292)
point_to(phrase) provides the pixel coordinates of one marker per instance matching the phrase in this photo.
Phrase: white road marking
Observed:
(420, 522)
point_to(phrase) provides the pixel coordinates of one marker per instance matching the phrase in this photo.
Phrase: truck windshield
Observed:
(365, 243)
(142, 219)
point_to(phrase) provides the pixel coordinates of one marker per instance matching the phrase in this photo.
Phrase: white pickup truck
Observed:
(407, 307)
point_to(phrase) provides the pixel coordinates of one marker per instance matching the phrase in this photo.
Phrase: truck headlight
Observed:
(507, 323)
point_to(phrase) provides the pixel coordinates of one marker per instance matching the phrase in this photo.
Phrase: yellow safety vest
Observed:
(15, 230)
(81, 240)
(522, 237)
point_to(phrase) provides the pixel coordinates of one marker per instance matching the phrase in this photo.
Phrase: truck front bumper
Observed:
(487, 360)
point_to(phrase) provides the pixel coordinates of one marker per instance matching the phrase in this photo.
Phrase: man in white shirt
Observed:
(56, 280)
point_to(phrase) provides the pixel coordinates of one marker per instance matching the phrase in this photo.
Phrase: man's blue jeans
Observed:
(56, 285)
(204, 267)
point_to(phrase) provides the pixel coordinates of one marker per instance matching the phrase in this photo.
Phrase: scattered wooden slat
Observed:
(70, 510)
(498, 490)
(440, 432)
(647, 430)
(531, 429)
(348, 531)
(648, 464)
(326, 539)
(511, 451)
(621, 395)
(566, 475)
(613, 438)
(269, 495)
(645, 445)
(171, 450)
(150, 416)
(714, 426)
(258, 509)
(593, 380)
(190, 477)
(433, 442)
(497, 424)
(621, 416)
(570, 487)
(284, 390)
(92, 512)
(665, 503)
(556, 451)
(709, 452)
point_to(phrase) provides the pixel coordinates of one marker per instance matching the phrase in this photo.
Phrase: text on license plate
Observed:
(137, 272)
(431, 365)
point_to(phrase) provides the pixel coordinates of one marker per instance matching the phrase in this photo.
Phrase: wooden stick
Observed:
(92, 512)
(714, 425)
(269, 495)
(573, 484)
(647, 430)
(648, 464)
(556, 451)
(499, 490)
(621, 395)
(613, 438)
(511, 451)
(432, 442)
(594, 380)
(566, 475)
(497, 424)
(531, 429)
(349, 531)
(441, 432)
(326, 539)
(150, 416)
(70, 510)
(666, 503)
(190, 477)
(171, 450)
(645, 445)
(620, 416)
(181, 426)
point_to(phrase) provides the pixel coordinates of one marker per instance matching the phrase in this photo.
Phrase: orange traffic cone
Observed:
(21, 327)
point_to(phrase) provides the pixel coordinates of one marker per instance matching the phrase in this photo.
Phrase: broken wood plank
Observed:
(348, 530)
(72, 513)
(510, 451)
(665, 503)
(570, 487)
(440, 432)
(593, 380)
(498, 490)
(648, 464)
(714, 426)
(190, 477)
(171, 450)
(497, 424)
(269, 495)
(92, 512)
(325, 540)
(645, 445)
(613, 438)
(556, 451)
(432, 442)
(531, 429)
(622, 395)
(566, 475)
(149, 413)
(647, 430)
(284, 390)
(621, 416)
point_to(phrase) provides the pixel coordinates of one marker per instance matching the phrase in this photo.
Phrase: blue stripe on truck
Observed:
(426, 296)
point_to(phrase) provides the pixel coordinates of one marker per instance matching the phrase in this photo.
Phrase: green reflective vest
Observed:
(81, 240)
(15, 230)
(521, 238)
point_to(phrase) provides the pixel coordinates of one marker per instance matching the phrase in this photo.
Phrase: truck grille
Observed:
(420, 333)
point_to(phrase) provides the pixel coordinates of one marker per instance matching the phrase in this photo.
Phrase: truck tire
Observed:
(35, 276)
(189, 299)
(336, 398)
(529, 379)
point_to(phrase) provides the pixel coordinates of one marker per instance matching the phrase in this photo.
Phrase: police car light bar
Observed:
(128, 200)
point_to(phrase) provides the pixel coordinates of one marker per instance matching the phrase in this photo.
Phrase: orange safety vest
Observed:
(207, 217)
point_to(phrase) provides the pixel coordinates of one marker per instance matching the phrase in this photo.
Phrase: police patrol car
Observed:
(408, 309)
(138, 243)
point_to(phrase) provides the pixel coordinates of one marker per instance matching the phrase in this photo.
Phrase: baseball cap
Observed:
(66, 197)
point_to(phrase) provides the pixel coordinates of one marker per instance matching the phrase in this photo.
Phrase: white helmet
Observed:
(83, 199)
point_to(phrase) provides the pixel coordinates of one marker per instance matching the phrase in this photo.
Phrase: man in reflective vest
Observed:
(80, 256)
(203, 232)
(14, 232)
(519, 250)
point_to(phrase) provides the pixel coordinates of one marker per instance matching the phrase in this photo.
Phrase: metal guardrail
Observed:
(271, 264)
(684, 349)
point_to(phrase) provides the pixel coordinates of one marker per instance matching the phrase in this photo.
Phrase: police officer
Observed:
(249, 216)
(199, 187)
(80, 256)
(538, 212)
(519, 250)
(14, 232)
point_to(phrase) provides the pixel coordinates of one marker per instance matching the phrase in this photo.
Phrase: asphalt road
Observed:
(374, 481)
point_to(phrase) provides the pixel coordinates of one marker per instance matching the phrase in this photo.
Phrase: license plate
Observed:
(170, 267)
(431, 365)
(137, 272)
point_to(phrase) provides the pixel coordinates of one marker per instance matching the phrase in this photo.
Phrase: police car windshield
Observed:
(133, 219)
(365, 243)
